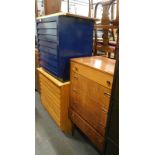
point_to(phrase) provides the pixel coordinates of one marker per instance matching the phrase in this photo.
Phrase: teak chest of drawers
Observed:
(55, 98)
(91, 84)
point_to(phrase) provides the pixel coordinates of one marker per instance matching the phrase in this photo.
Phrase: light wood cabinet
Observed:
(55, 98)
(91, 84)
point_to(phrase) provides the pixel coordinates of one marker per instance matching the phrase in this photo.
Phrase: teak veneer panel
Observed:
(55, 98)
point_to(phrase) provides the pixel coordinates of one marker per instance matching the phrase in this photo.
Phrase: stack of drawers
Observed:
(60, 37)
(55, 98)
(91, 84)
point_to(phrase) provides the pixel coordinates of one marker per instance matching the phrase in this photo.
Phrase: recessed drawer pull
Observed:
(75, 77)
(108, 94)
(76, 69)
(108, 83)
(103, 109)
(75, 102)
(101, 125)
(74, 90)
(100, 141)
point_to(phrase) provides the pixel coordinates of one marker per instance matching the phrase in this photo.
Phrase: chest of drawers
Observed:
(91, 84)
(55, 98)
(60, 37)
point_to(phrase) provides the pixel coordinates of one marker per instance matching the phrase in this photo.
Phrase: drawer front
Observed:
(47, 44)
(47, 37)
(52, 97)
(51, 111)
(47, 25)
(89, 110)
(48, 31)
(102, 78)
(48, 50)
(50, 103)
(95, 137)
(94, 90)
(56, 90)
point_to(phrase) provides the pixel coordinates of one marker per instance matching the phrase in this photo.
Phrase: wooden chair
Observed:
(103, 44)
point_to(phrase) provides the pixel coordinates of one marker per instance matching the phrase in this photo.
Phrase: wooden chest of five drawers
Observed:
(91, 84)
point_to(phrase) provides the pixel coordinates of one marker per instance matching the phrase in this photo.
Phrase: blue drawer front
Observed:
(47, 44)
(48, 25)
(48, 50)
(49, 58)
(48, 67)
(48, 31)
(47, 38)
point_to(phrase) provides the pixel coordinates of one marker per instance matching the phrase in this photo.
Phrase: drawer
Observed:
(90, 132)
(47, 37)
(47, 25)
(48, 31)
(101, 78)
(51, 111)
(50, 95)
(48, 83)
(52, 63)
(47, 44)
(48, 50)
(49, 68)
(89, 110)
(92, 89)
(51, 102)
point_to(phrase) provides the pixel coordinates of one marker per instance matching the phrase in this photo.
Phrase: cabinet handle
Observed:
(75, 77)
(108, 83)
(100, 141)
(101, 124)
(107, 94)
(103, 109)
(74, 90)
(76, 69)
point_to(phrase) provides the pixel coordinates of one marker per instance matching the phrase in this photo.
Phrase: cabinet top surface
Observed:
(66, 14)
(100, 63)
(51, 78)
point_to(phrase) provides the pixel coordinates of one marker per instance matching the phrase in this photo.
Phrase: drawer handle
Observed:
(100, 141)
(74, 90)
(103, 109)
(108, 83)
(75, 77)
(76, 69)
(107, 94)
(74, 102)
(101, 124)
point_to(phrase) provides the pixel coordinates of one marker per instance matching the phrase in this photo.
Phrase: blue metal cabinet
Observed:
(61, 37)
